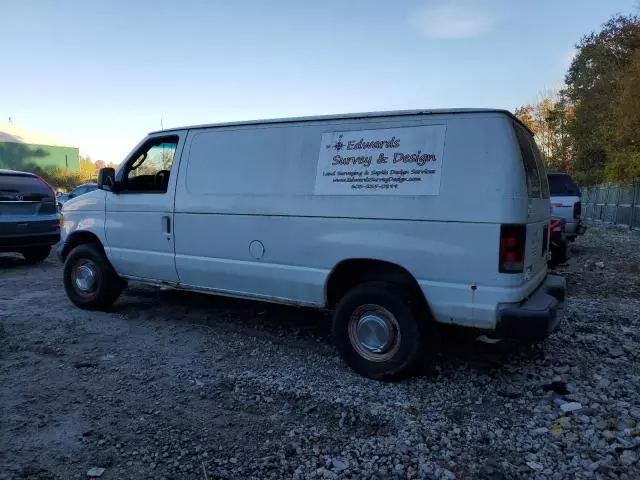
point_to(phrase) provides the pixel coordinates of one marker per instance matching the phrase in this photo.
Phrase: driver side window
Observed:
(150, 170)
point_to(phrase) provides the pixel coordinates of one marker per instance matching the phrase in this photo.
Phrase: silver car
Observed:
(76, 192)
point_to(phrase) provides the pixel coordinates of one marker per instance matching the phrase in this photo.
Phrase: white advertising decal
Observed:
(393, 161)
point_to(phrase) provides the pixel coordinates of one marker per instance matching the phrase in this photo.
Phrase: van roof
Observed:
(352, 116)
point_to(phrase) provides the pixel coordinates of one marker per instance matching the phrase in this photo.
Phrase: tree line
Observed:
(591, 127)
(65, 179)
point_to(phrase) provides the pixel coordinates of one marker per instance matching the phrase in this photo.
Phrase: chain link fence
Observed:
(616, 204)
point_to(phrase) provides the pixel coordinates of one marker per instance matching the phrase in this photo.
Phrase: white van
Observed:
(395, 221)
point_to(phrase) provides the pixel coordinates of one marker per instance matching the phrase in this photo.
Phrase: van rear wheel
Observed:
(378, 331)
(90, 281)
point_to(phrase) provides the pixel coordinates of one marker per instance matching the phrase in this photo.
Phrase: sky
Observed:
(102, 74)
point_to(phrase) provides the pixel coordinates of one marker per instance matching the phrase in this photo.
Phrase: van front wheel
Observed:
(378, 331)
(89, 279)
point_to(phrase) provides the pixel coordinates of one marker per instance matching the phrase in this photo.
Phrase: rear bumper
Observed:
(15, 243)
(18, 232)
(536, 317)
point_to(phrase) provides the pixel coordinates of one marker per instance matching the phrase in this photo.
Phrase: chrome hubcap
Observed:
(374, 333)
(85, 277)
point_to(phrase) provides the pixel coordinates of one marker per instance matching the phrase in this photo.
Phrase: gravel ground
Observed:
(172, 385)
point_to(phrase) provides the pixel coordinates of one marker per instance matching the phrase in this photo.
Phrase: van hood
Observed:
(87, 202)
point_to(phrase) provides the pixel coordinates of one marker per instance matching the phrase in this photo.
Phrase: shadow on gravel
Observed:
(457, 347)
(12, 261)
(223, 312)
(460, 349)
(15, 261)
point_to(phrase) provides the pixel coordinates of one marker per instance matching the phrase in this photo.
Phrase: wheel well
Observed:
(79, 238)
(350, 273)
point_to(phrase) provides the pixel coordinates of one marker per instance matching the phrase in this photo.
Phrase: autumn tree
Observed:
(88, 170)
(624, 162)
(557, 118)
(526, 115)
(600, 78)
(548, 119)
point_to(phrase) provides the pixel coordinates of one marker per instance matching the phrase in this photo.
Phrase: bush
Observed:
(622, 167)
(61, 178)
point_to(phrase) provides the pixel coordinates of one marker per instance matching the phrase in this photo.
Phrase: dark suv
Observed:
(29, 220)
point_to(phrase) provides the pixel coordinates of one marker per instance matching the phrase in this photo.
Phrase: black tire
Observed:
(411, 320)
(36, 254)
(559, 254)
(106, 285)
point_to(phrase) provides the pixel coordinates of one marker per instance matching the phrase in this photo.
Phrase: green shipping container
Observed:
(20, 148)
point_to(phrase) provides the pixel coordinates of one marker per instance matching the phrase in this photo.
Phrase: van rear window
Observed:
(531, 170)
(544, 183)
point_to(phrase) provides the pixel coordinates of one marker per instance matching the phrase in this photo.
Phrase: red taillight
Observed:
(555, 227)
(577, 210)
(512, 243)
(510, 257)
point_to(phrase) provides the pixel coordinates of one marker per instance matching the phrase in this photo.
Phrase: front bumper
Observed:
(536, 317)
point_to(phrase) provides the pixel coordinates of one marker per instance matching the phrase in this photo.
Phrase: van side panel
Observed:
(257, 170)
(247, 222)
(301, 252)
(441, 258)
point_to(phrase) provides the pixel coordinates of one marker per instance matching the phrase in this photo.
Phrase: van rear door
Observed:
(538, 212)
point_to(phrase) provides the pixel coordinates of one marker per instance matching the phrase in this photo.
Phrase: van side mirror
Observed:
(106, 178)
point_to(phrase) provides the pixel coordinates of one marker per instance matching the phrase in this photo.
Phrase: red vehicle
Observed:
(558, 243)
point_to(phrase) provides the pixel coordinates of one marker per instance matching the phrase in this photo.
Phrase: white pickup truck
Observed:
(565, 203)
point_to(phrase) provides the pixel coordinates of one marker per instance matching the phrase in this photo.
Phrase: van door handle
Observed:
(166, 226)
